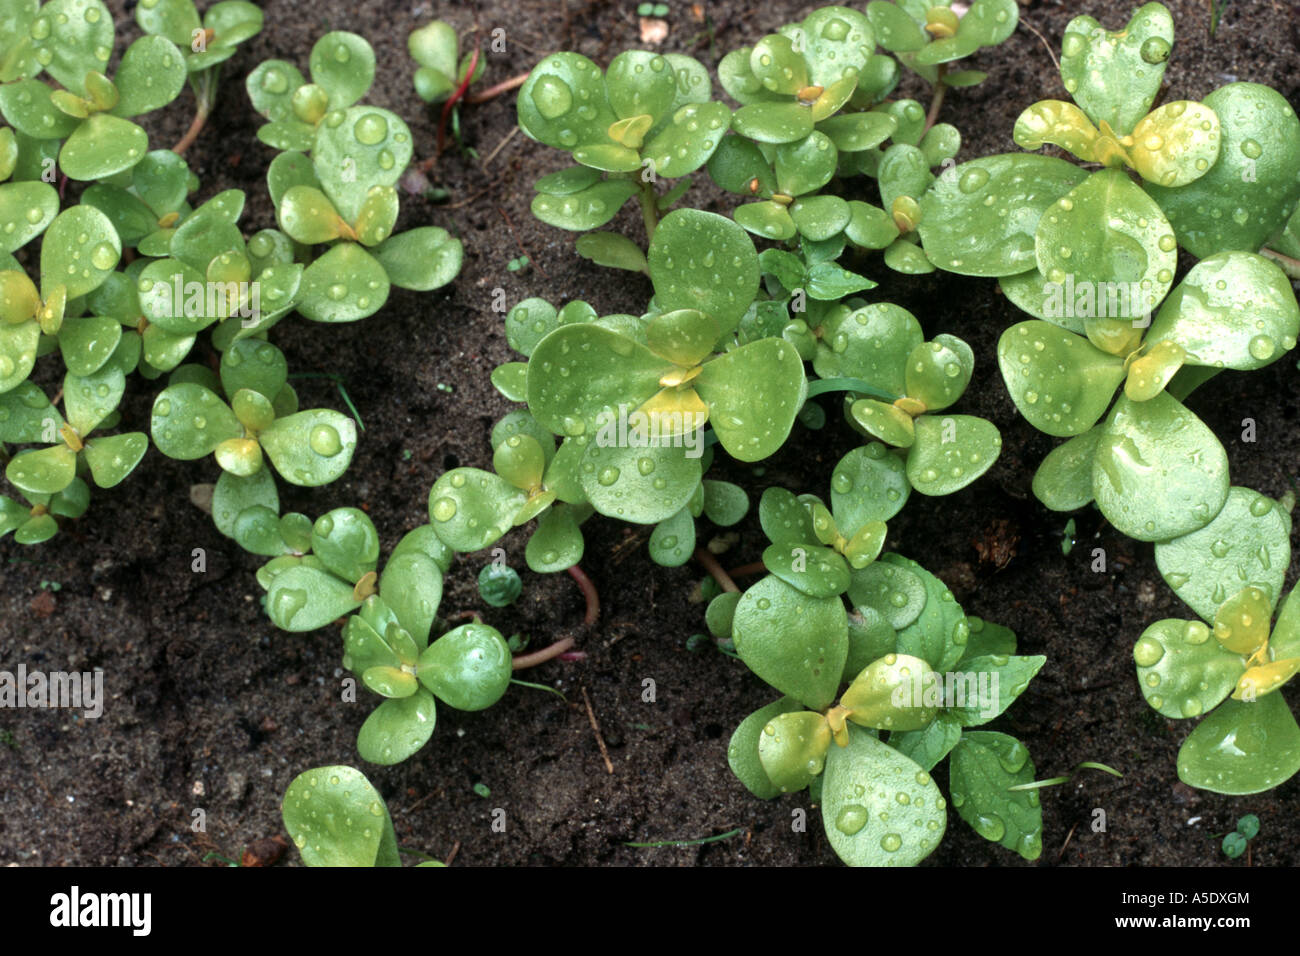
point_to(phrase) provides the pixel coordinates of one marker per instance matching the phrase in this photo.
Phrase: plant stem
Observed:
(936, 103)
(204, 86)
(492, 92)
(455, 98)
(824, 385)
(524, 661)
(711, 565)
(745, 570)
(588, 592)
(649, 209)
(1289, 265)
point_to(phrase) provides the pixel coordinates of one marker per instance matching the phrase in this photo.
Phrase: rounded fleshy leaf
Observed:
(72, 38)
(1182, 670)
(422, 259)
(189, 421)
(950, 452)
(889, 423)
(688, 140)
(27, 106)
(307, 215)
(556, 543)
(817, 572)
(700, 260)
(347, 283)
(895, 30)
(792, 749)
(983, 767)
(1065, 125)
(590, 208)
(112, 457)
(684, 336)
(1115, 75)
(1233, 310)
(871, 343)
(742, 749)
(794, 642)
(412, 586)
(346, 543)
(1241, 622)
(1159, 472)
(643, 484)
(737, 163)
(378, 215)
(564, 104)
(725, 504)
(868, 485)
(344, 64)
(271, 87)
(468, 668)
(356, 149)
(893, 591)
(777, 122)
(26, 209)
(46, 471)
(1149, 374)
(321, 811)
(891, 694)
(233, 495)
(770, 220)
(26, 415)
(754, 393)
(1175, 144)
(303, 598)
(310, 448)
(963, 233)
(470, 509)
(805, 166)
(1060, 381)
(1247, 544)
(1242, 747)
(397, 728)
(521, 461)
(254, 365)
(151, 75)
(79, 251)
(939, 371)
(580, 371)
(1063, 481)
(878, 806)
(837, 42)
(784, 517)
(1249, 193)
(1135, 255)
(102, 146)
(18, 346)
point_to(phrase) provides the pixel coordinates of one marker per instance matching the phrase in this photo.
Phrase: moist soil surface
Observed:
(211, 708)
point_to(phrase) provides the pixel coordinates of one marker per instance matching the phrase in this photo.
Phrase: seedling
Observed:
(1236, 842)
(442, 69)
(71, 41)
(499, 584)
(261, 420)
(36, 523)
(652, 10)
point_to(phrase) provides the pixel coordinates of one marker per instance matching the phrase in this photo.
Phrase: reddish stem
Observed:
(745, 570)
(191, 134)
(588, 592)
(523, 661)
(936, 103)
(455, 98)
(711, 565)
(492, 92)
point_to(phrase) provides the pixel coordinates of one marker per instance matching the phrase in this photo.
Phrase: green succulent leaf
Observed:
(101, 146)
(29, 208)
(344, 64)
(189, 421)
(18, 346)
(1158, 472)
(817, 572)
(987, 638)
(742, 750)
(1248, 544)
(1242, 748)
(792, 641)
(347, 283)
(872, 344)
(556, 542)
(73, 38)
(792, 749)
(1063, 481)
(357, 149)
(964, 234)
(468, 668)
(612, 250)
(46, 471)
(303, 598)
(868, 822)
(27, 106)
(1248, 194)
(784, 518)
(1032, 355)
(725, 504)
(112, 457)
(79, 251)
(397, 728)
(470, 509)
(564, 103)
(1182, 670)
(754, 393)
(346, 543)
(868, 484)
(641, 484)
(151, 75)
(1011, 674)
(1175, 144)
(939, 371)
(1233, 309)
(895, 592)
(321, 809)
(588, 209)
(700, 260)
(982, 768)
(1115, 75)
(931, 743)
(688, 140)
(26, 415)
(950, 452)
(894, 693)
(310, 448)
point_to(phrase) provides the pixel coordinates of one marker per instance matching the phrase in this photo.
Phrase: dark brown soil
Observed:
(212, 708)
